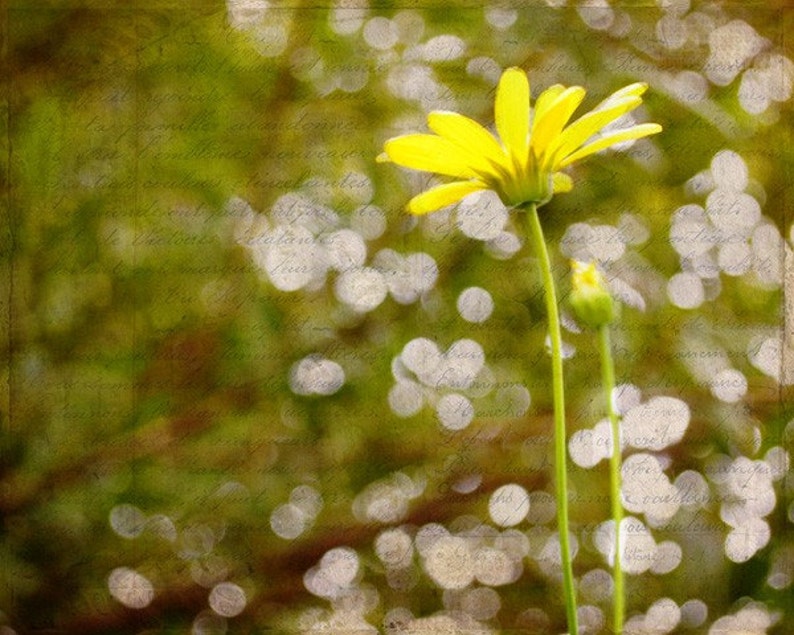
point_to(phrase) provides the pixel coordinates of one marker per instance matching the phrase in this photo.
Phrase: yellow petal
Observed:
(585, 127)
(429, 153)
(635, 132)
(632, 90)
(468, 135)
(544, 100)
(553, 120)
(442, 195)
(561, 182)
(512, 111)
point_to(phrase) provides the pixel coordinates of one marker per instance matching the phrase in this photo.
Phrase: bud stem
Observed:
(608, 381)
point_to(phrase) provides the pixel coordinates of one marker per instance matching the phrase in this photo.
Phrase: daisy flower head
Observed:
(523, 163)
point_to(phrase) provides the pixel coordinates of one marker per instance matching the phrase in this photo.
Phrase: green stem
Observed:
(608, 381)
(535, 234)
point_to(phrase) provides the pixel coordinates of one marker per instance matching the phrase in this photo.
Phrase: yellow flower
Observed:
(523, 165)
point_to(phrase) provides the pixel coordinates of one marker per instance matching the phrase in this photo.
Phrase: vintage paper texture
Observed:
(220, 409)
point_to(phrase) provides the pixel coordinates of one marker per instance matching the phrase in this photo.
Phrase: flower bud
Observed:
(590, 299)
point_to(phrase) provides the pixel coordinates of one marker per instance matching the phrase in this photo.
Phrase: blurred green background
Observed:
(167, 464)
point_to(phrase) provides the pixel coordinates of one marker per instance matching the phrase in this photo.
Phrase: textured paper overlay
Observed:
(243, 390)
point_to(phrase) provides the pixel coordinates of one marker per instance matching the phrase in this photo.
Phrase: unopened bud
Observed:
(590, 299)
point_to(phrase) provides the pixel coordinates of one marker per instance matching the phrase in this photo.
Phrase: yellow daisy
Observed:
(523, 165)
